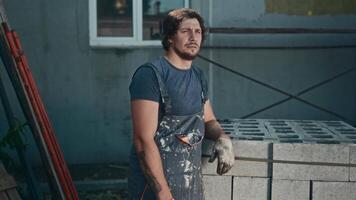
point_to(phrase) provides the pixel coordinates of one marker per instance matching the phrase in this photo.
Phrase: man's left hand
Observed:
(224, 152)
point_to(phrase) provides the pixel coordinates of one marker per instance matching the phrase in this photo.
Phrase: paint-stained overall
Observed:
(179, 140)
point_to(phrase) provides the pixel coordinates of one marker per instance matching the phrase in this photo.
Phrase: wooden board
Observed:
(3, 196)
(13, 195)
(7, 186)
(6, 181)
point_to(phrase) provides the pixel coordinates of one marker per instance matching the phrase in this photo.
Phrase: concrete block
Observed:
(253, 149)
(326, 153)
(291, 190)
(217, 187)
(290, 131)
(250, 188)
(346, 132)
(334, 190)
(353, 161)
(285, 131)
(308, 172)
(248, 129)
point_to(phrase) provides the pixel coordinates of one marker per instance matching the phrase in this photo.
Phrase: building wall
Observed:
(85, 89)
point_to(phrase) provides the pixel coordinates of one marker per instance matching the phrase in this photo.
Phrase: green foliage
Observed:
(12, 140)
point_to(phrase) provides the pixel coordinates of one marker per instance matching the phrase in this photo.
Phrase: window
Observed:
(128, 23)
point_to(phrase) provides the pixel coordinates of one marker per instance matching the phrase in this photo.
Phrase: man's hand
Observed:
(165, 195)
(224, 152)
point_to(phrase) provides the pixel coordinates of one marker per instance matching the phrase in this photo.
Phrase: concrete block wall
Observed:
(353, 161)
(219, 187)
(252, 188)
(285, 159)
(334, 190)
(290, 189)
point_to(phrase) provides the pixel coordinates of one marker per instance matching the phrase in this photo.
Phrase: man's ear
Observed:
(170, 38)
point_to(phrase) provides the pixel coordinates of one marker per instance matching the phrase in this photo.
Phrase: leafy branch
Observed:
(12, 140)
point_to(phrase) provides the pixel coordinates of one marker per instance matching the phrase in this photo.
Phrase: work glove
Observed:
(223, 150)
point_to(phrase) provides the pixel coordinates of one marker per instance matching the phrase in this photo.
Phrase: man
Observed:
(171, 114)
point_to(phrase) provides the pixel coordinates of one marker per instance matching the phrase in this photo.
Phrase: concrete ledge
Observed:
(291, 190)
(334, 190)
(217, 187)
(248, 188)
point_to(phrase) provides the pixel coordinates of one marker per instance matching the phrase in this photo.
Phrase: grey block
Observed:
(307, 172)
(326, 153)
(250, 188)
(284, 130)
(217, 187)
(291, 190)
(248, 129)
(344, 131)
(353, 161)
(253, 149)
(334, 190)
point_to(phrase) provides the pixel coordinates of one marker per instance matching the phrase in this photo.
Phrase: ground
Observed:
(93, 182)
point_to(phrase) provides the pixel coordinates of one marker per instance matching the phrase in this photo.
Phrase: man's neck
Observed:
(177, 61)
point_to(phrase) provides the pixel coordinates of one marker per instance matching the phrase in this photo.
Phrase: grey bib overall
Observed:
(179, 140)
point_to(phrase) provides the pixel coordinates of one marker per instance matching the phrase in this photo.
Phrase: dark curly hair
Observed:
(172, 21)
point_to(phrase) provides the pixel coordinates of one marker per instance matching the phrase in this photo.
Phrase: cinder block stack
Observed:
(285, 160)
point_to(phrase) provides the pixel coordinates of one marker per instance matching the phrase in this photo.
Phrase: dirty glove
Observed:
(224, 152)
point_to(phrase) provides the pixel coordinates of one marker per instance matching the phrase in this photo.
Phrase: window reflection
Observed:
(153, 14)
(114, 18)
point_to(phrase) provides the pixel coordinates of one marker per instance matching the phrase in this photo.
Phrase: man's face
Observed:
(186, 42)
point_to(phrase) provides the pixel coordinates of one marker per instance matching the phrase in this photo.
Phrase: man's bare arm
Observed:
(145, 119)
(213, 130)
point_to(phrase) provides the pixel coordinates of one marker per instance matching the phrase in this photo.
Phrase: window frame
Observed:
(120, 41)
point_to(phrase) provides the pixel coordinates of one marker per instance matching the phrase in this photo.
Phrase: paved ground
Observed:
(94, 182)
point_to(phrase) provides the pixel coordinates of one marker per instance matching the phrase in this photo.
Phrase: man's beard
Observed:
(185, 55)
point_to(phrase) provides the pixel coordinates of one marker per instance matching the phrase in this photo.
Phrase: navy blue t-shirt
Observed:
(184, 86)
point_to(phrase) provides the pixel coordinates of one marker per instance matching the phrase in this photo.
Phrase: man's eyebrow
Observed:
(185, 28)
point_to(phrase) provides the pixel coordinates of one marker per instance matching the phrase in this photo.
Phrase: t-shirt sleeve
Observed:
(144, 85)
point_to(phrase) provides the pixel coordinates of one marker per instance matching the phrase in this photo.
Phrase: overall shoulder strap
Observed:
(166, 100)
(204, 95)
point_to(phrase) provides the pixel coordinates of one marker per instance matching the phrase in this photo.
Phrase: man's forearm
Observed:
(151, 165)
(213, 130)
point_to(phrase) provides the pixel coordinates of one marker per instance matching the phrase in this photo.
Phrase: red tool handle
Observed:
(40, 114)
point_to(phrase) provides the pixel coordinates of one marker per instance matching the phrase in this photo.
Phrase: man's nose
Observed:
(193, 35)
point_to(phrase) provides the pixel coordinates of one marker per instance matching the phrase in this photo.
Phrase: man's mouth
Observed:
(192, 45)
